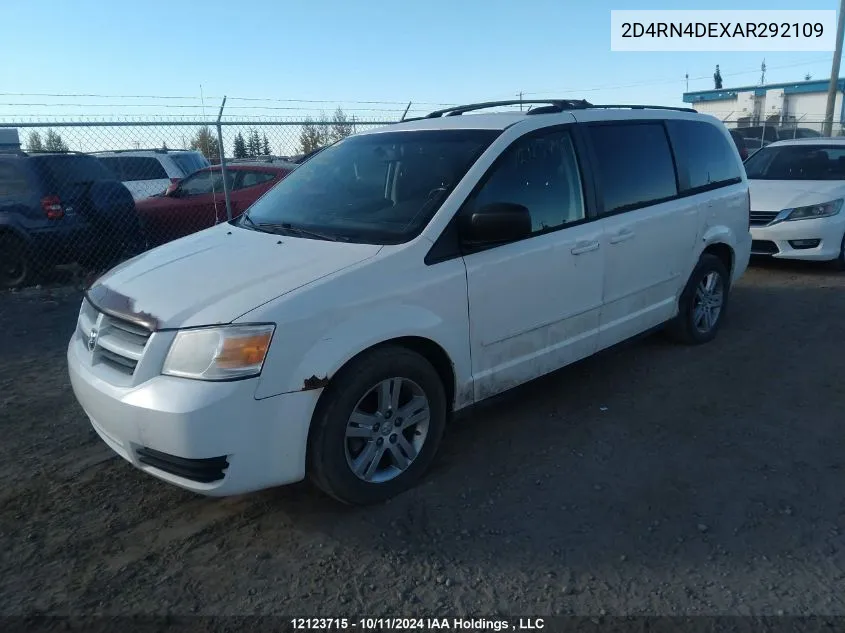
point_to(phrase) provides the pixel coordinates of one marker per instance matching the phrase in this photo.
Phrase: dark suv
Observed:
(59, 209)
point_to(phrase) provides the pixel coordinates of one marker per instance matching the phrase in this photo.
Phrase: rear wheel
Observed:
(17, 267)
(703, 303)
(378, 426)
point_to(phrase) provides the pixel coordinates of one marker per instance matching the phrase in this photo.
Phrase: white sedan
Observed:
(797, 190)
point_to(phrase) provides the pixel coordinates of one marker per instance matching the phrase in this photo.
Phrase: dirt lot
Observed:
(651, 479)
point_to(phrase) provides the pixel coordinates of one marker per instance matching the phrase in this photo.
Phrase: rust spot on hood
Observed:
(120, 306)
(315, 383)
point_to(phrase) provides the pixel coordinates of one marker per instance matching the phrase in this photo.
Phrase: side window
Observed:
(635, 166)
(113, 165)
(141, 168)
(705, 153)
(254, 178)
(540, 173)
(12, 181)
(197, 184)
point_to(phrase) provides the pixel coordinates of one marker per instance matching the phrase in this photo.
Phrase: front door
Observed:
(534, 304)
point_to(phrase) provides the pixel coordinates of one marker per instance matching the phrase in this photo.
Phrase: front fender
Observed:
(339, 343)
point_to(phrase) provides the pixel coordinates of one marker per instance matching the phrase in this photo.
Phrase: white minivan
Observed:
(400, 275)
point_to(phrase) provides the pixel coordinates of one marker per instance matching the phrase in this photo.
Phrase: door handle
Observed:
(621, 236)
(584, 247)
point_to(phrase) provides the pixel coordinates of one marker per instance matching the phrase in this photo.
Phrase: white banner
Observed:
(706, 30)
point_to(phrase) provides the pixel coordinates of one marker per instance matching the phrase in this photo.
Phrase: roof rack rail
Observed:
(558, 105)
(31, 152)
(158, 150)
(644, 107)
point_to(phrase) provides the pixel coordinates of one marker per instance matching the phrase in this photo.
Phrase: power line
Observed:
(195, 98)
(675, 80)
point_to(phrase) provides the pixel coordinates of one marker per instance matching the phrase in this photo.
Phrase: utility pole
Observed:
(686, 76)
(763, 72)
(520, 92)
(834, 73)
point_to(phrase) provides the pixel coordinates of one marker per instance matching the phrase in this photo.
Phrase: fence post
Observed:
(222, 151)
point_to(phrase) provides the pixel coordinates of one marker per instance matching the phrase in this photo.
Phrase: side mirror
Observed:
(173, 187)
(495, 224)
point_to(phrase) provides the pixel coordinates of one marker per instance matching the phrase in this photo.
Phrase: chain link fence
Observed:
(760, 131)
(85, 196)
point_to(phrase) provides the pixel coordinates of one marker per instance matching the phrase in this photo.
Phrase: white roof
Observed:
(502, 120)
(817, 140)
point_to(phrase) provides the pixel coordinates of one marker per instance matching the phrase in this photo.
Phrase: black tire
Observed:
(839, 262)
(328, 465)
(17, 266)
(683, 328)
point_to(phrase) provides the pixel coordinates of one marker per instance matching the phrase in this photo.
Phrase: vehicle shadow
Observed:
(646, 452)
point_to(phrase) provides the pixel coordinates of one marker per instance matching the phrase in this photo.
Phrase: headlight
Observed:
(219, 353)
(824, 210)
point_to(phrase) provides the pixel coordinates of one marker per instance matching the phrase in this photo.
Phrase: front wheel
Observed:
(17, 267)
(839, 262)
(378, 426)
(703, 303)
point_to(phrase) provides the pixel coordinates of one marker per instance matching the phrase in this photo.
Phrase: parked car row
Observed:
(61, 208)
(149, 172)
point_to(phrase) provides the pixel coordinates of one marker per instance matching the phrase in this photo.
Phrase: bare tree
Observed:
(53, 142)
(206, 143)
(34, 143)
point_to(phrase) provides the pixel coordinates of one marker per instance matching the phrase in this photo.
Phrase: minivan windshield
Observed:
(797, 162)
(380, 188)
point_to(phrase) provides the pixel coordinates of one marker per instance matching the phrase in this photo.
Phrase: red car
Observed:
(198, 201)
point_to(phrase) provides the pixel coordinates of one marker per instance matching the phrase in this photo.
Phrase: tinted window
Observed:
(71, 169)
(113, 165)
(798, 162)
(141, 168)
(704, 153)
(541, 174)
(12, 181)
(380, 188)
(205, 182)
(190, 162)
(254, 178)
(635, 165)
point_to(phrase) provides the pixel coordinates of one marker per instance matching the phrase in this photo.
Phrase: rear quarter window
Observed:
(71, 169)
(13, 181)
(706, 157)
(634, 165)
(133, 168)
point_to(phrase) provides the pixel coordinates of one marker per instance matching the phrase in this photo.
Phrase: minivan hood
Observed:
(217, 275)
(776, 195)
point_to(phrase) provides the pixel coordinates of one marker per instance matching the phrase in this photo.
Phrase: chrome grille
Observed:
(117, 343)
(762, 218)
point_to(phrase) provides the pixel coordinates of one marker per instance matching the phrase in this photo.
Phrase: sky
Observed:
(267, 54)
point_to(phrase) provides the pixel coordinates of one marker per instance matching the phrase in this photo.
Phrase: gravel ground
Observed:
(650, 479)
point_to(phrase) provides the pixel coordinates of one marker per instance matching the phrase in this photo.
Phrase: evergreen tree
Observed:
(266, 146)
(240, 146)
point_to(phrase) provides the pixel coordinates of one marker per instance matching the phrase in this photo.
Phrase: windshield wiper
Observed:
(298, 230)
(245, 219)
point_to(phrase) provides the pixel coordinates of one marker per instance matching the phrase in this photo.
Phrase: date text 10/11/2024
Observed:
(418, 624)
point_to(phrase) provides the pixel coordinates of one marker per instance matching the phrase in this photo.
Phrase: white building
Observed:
(800, 103)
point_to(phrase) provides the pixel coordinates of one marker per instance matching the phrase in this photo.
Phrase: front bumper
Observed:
(213, 438)
(774, 240)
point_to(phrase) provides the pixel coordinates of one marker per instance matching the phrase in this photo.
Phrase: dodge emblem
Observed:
(92, 339)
